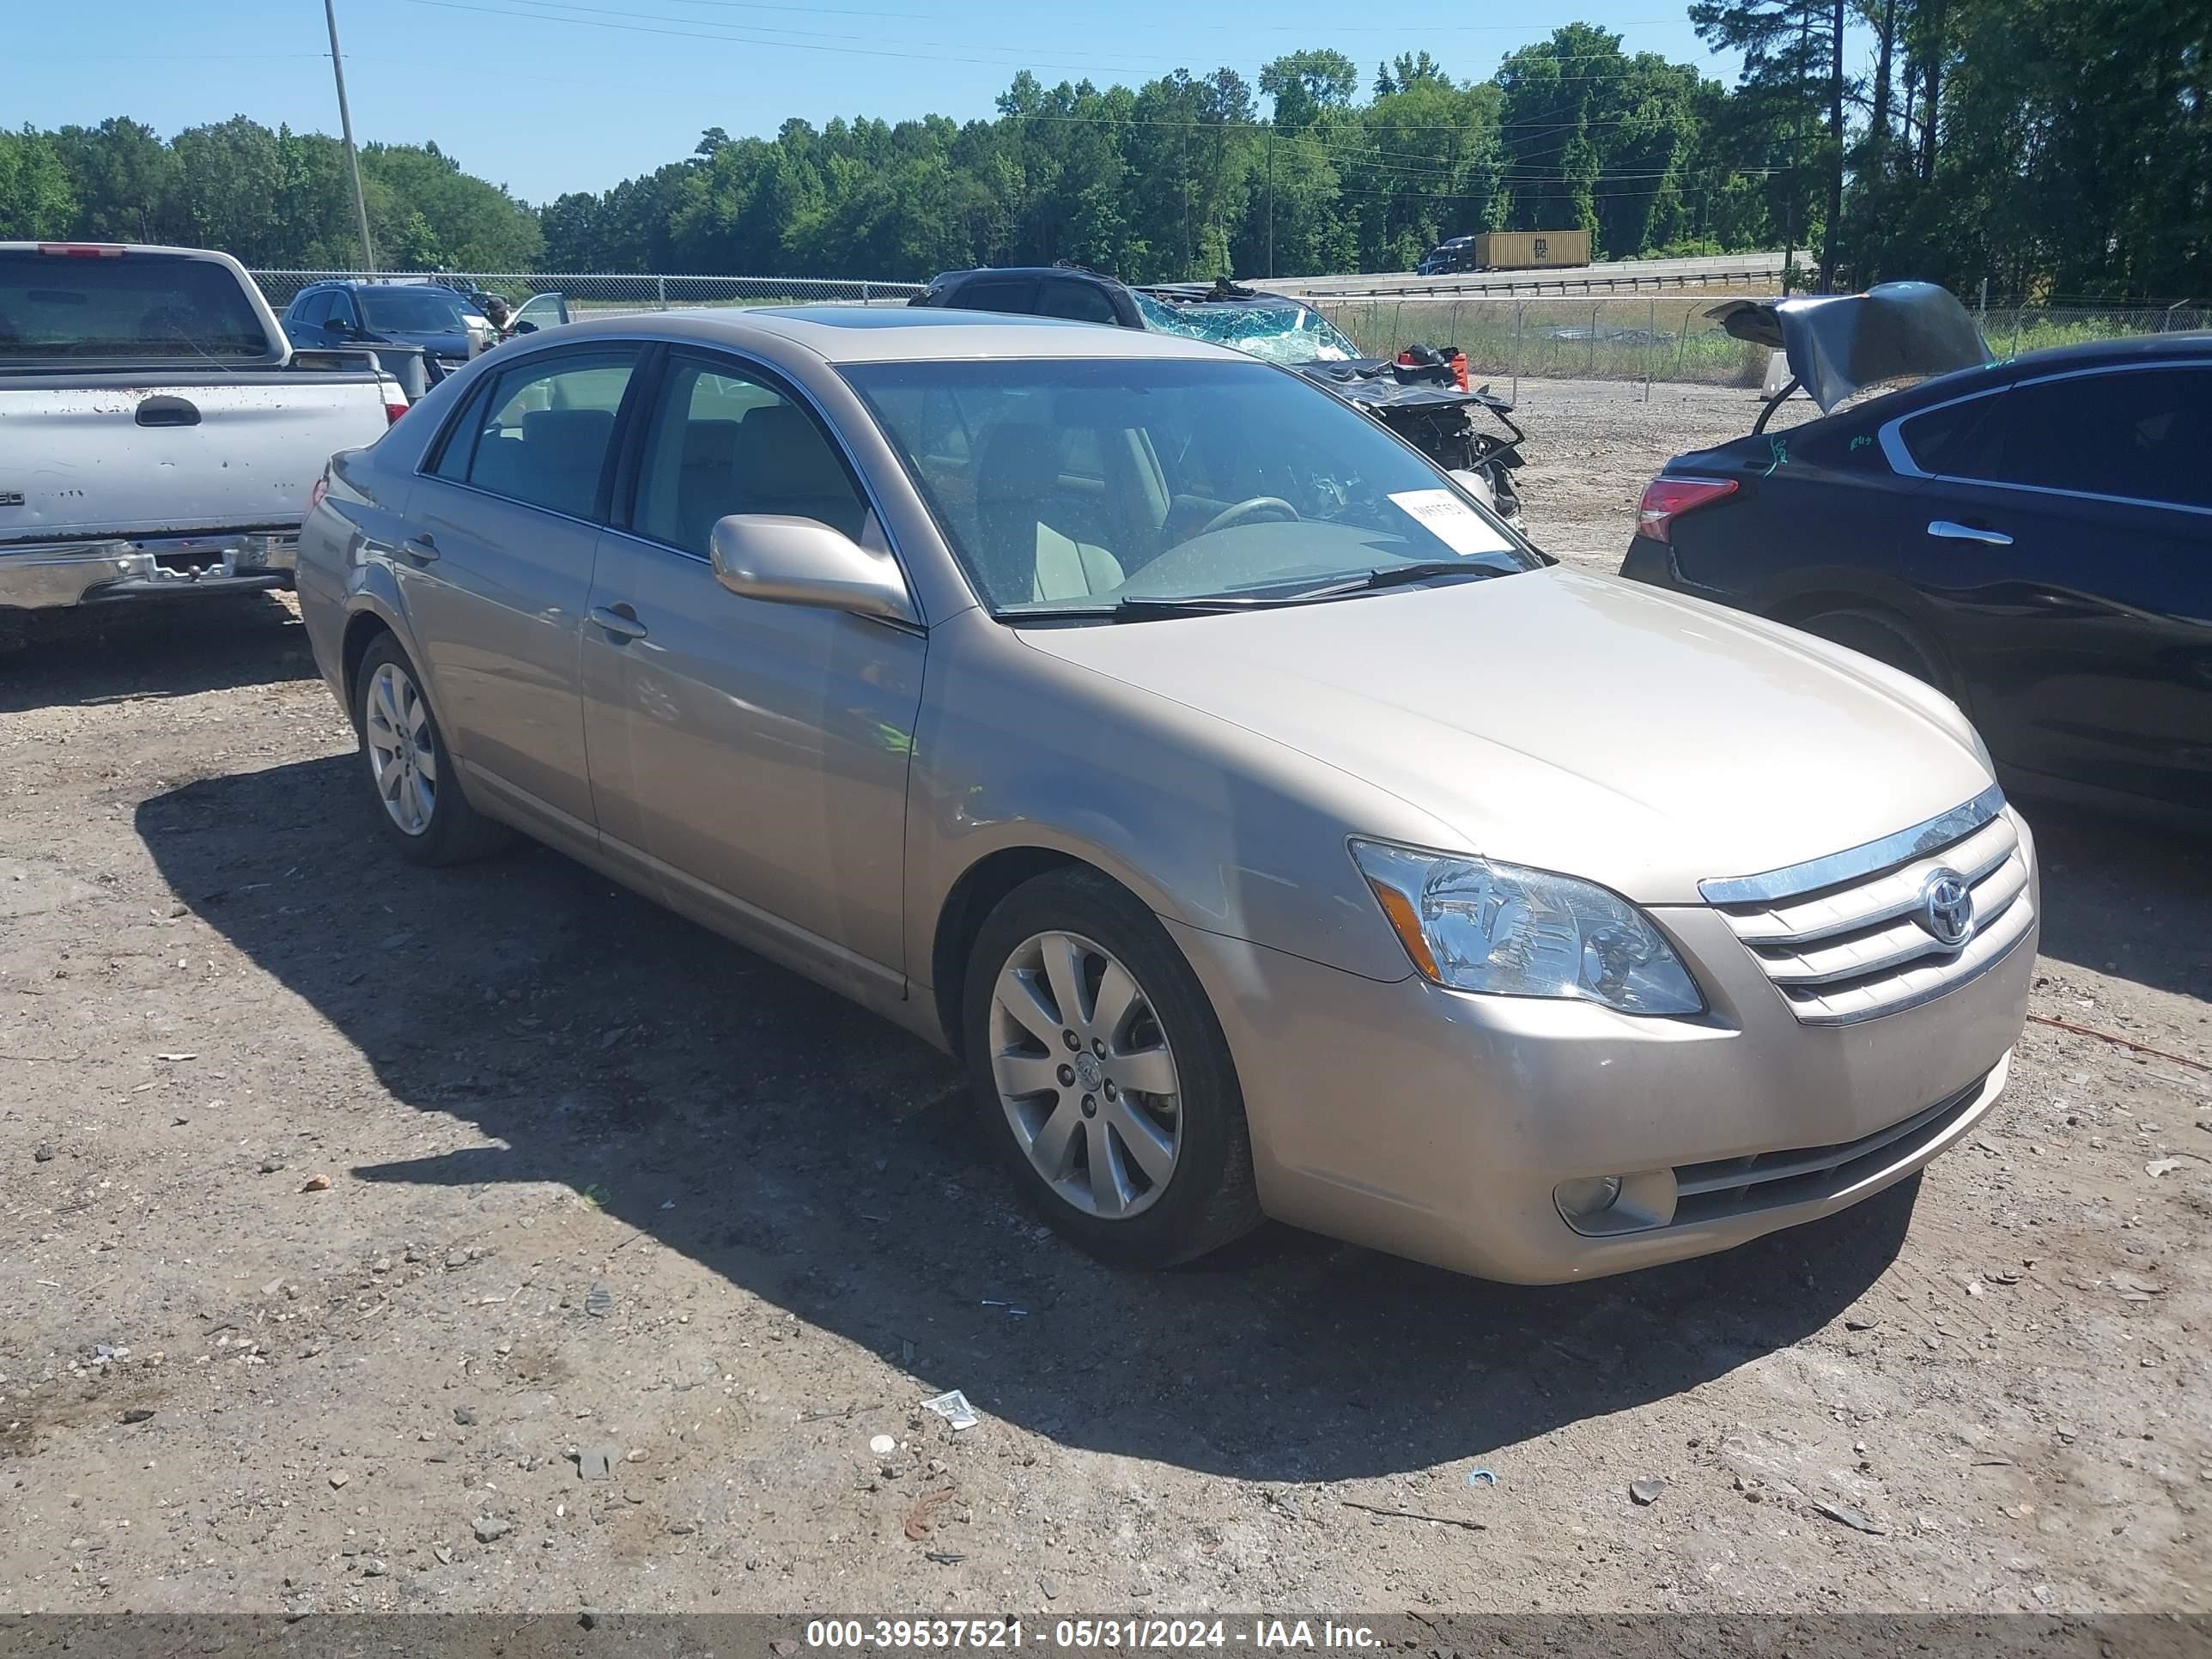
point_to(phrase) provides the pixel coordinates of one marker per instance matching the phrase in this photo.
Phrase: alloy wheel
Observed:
(403, 752)
(1085, 1075)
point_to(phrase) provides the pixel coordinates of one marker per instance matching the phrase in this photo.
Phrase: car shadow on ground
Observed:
(148, 649)
(2129, 899)
(829, 1163)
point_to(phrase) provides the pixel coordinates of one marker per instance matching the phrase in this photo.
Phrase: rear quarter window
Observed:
(1952, 438)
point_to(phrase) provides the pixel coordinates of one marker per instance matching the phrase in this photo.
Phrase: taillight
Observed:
(322, 488)
(81, 249)
(1459, 370)
(393, 411)
(1666, 500)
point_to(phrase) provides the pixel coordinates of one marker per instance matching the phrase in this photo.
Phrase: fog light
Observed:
(1585, 1200)
(1600, 1206)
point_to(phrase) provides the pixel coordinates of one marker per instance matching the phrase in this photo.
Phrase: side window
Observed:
(718, 442)
(313, 311)
(1080, 302)
(1954, 439)
(341, 308)
(453, 463)
(541, 434)
(2142, 434)
(1015, 294)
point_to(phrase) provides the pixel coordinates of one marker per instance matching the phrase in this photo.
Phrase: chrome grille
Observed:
(1843, 938)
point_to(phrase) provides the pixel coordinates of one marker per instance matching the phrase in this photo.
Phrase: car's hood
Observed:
(1571, 721)
(452, 343)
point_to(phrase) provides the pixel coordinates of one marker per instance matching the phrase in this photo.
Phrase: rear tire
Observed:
(420, 806)
(1885, 638)
(1142, 1156)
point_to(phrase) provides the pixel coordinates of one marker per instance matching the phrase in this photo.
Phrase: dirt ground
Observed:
(353, 1214)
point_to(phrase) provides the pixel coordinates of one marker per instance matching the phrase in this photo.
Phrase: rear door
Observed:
(2067, 543)
(496, 577)
(304, 325)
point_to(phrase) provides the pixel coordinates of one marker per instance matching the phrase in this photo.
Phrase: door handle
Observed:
(423, 549)
(618, 620)
(1947, 529)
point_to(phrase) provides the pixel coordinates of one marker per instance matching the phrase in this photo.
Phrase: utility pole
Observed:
(345, 125)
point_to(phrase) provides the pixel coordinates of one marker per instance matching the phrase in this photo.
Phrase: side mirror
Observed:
(764, 556)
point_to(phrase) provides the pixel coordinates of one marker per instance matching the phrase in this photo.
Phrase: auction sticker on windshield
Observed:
(1451, 521)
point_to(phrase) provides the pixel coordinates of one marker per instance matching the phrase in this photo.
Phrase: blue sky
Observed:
(548, 98)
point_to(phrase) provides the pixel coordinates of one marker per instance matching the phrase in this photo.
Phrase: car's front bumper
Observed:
(1439, 1125)
(46, 577)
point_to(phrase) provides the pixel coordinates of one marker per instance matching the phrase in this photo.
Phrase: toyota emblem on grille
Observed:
(1947, 907)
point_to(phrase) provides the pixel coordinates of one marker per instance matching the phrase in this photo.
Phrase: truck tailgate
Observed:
(153, 456)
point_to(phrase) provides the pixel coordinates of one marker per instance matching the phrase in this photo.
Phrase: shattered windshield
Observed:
(1281, 331)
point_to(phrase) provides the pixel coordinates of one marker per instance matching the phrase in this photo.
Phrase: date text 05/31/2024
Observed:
(1170, 1634)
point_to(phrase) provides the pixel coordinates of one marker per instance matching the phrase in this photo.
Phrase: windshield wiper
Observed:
(1397, 575)
(1144, 608)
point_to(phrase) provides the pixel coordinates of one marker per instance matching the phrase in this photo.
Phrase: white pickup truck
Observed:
(158, 432)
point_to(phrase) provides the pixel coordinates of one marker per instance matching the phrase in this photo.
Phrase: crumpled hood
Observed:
(1570, 722)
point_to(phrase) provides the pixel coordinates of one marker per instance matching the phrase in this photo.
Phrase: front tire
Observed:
(420, 806)
(1102, 1076)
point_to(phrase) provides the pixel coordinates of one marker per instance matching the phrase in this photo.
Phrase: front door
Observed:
(2069, 541)
(496, 580)
(753, 756)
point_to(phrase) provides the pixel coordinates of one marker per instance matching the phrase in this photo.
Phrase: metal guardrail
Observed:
(1579, 280)
(600, 294)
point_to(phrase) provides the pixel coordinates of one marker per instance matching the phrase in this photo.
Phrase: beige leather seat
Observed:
(1033, 533)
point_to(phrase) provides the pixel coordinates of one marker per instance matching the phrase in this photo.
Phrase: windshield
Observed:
(412, 310)
(1079, 484)
(124, 306)
(1277, 331)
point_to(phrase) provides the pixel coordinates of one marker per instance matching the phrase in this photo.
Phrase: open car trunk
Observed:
(1840, 344)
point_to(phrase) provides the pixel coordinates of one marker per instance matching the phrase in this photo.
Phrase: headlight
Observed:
(1476, 925)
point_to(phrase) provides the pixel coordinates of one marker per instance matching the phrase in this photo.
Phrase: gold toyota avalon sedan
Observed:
(1270, 830)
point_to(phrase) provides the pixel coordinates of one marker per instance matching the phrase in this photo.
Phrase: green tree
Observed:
(124, 179)
(36, 199)
(1793, 80)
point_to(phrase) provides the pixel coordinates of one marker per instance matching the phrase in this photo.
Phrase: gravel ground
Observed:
(491, 1240)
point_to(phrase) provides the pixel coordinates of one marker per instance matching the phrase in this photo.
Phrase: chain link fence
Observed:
(601, 294)
(1668, 340)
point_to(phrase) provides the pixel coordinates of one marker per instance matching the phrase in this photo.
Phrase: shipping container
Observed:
(1530, 250)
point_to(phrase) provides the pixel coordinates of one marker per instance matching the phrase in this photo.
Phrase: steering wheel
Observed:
(1273, 507)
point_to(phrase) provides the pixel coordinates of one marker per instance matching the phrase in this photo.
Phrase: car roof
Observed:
(900, 333)
(2192, 346)
(1076, 271)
